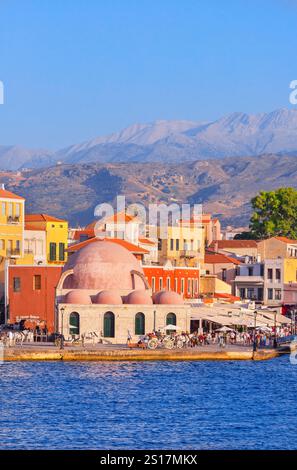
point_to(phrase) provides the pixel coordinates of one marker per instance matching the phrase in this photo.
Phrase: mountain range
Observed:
(234, 135)
(224, 186)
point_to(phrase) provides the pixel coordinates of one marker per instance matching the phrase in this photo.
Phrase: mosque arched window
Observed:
(139, 323)
(170, 320)
(74, 323)
(109, 325)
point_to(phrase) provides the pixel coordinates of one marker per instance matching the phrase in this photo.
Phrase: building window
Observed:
(250, 293)
(171, 244)
(170, 320)
(270, 294)
(3, 208)
(37, 282)
(177, 244)
(159, 244)
(224, 274)
(278, 274)
(182, 286)
(278, 294)
(10, 209)
(168, 283)
(61, 251)
(189, 286)
(251, 271)
(74, 323)
(17, 247)
(108, 326)
(153, 284)
(53, 251)
(176, 284)
(160, 283)
(242, 292)
(196, 286)
(17, 210)
(139, 323)
(16, 284)
(269, 274)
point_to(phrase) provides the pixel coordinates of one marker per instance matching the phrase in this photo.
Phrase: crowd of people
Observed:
(263, 337)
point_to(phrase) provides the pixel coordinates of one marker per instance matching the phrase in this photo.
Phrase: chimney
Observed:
(2, 186)
(216, 247)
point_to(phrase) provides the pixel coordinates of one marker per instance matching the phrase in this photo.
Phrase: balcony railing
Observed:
(13, 252)
(188, 253)
(13, 219)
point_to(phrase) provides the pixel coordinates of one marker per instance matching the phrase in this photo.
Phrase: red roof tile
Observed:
(129, 246)
(213, 258)
(42, 218)
(9, 195)
(234, 244)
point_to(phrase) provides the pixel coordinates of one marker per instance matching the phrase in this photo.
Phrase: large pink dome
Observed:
(108, 297)
(78, 296)
(103, 265)
(168, 298)
(139, 297)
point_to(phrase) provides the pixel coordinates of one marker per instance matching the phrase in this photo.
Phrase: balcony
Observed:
(13, 253)
(188, 253)
(13, 219)
(256, 280)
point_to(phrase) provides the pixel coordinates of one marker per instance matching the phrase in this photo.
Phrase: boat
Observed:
(287, 344)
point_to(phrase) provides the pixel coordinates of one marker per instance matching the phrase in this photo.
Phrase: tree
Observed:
(274, 214)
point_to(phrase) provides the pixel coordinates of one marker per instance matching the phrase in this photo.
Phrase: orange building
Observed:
(31, 294)
(183, 280)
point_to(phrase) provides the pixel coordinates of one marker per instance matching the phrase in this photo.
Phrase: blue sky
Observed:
(75, 69)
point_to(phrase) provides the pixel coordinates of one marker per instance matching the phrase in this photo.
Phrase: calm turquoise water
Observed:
(190, 405)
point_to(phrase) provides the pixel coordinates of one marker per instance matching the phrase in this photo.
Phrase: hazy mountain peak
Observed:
(236, 134)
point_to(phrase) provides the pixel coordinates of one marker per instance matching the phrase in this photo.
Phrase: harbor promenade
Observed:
(48, 352)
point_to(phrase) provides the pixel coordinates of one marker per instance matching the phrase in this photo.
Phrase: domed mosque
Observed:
(103, 290)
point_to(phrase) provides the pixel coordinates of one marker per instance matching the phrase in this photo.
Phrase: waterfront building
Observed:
(184, 244)
(181, 279)
(31, 294)
(56, 235)
(11, 224)
(222, 266)
(103, 289)
(238, 248)
(276, 247)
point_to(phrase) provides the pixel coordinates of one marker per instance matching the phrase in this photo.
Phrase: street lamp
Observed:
(274, 340)
(62, 310)
(254, 337)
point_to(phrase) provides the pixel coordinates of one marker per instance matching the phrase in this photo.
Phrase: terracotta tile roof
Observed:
(129, 246)
(89, 233)
(146, 241)
(213, 258)
(9, 195)
(230, 297)
(234, 244)
(32, 227)
(42, 218)
(286, 240)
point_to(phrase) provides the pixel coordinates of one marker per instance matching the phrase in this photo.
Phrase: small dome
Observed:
(139, 297)
(77, 296)
(108, 297)
(168, 298)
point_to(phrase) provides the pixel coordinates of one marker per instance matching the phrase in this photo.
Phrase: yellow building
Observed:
(56, 235)
(12, 210)
(184, 244)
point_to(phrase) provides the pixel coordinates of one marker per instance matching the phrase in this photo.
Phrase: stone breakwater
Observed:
(72, 354)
